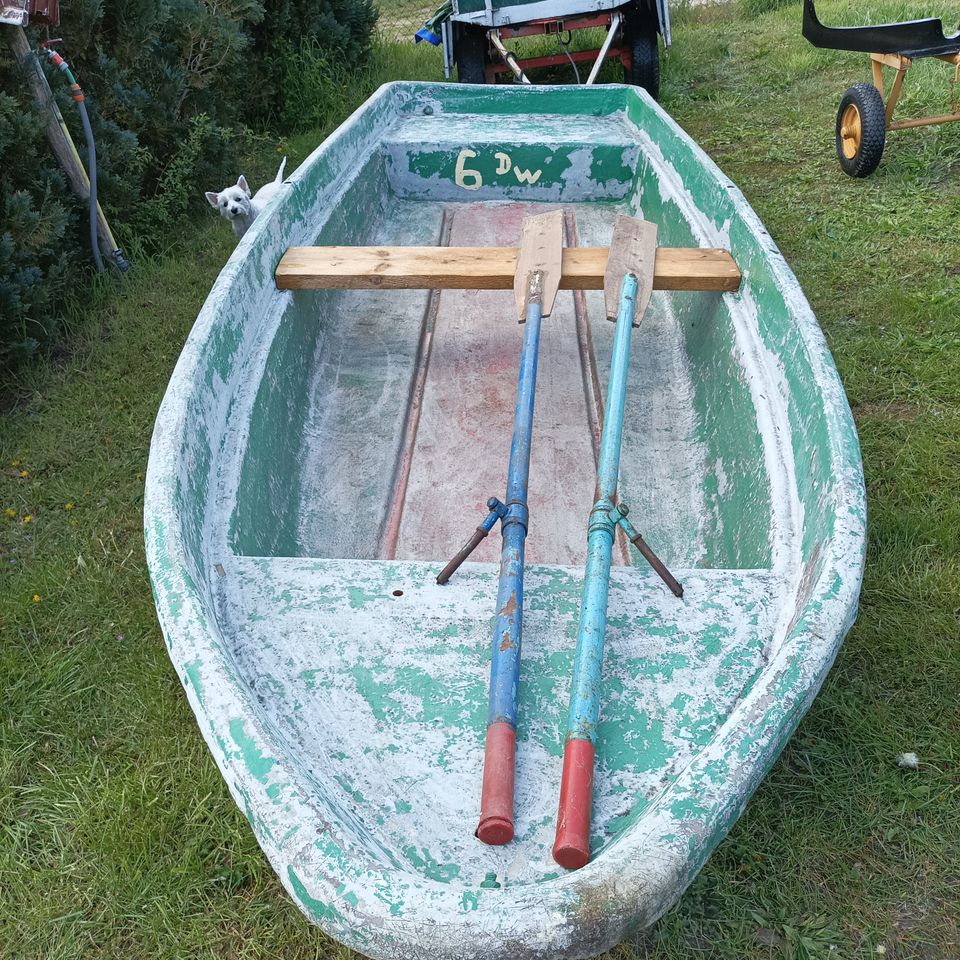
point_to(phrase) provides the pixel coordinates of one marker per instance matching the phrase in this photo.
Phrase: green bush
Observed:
(174, 89)
(322, 38)
(313, 89)
(150, 67)
(36, 215)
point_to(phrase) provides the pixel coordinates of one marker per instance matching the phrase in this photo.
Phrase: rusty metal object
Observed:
(497, 512)
(391, 526)
(676, 588)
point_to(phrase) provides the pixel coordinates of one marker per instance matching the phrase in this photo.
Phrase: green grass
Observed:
(319, 93)
(118, 835)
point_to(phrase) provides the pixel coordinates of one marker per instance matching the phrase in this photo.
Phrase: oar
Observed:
(535, 289)
(629, 273)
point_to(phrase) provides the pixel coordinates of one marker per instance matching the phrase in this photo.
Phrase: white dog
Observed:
(239, 207)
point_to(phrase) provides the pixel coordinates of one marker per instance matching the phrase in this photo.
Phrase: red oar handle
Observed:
(571, 849)
(496, 797)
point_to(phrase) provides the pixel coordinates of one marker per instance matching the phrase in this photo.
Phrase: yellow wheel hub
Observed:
(851, 132)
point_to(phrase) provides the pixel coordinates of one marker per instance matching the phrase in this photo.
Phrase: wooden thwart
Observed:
(488, 268)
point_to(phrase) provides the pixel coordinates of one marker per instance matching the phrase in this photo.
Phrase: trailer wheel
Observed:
(640, 33)
(861, 130)
(470, 47)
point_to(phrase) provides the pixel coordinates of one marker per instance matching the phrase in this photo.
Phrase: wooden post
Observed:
(895, 94)
(877, 67)
(58, 135)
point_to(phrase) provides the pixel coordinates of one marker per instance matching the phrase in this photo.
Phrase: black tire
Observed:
(861, 130)
(640, 34)
(470, 48)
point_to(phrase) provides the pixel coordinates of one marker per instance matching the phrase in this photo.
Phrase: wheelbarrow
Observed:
(863, 118)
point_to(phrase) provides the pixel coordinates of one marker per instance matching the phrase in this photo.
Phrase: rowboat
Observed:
(321, 453)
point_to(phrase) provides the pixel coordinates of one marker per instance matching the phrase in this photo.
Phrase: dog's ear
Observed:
(212, 198)
(242, 184)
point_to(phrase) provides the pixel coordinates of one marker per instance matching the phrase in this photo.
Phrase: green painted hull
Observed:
(303, 492)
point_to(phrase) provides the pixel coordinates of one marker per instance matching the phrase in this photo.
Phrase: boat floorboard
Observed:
(463, 440)
(396, 753)
(361, 391)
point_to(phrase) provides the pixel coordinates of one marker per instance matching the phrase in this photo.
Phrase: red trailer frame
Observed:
(557, 26)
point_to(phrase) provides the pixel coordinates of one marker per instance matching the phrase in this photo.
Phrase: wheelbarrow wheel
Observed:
(640, 35)
(861, 130)
(471, 52)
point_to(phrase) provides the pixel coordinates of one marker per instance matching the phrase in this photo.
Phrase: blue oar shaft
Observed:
(572, 846)
(496, 804)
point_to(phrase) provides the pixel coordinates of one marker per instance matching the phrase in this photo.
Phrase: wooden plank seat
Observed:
(487, 268)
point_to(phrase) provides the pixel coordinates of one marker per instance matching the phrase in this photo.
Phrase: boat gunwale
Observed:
(617, 890)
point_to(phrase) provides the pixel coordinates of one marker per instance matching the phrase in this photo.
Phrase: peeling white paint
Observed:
(279, 654)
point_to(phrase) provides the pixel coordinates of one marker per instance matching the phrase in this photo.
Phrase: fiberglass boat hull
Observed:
(320, 454)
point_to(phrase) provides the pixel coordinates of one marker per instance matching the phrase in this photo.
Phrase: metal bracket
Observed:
(615, 22)
(508, 58)
(497, 512)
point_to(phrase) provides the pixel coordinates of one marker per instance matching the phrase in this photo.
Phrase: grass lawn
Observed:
(118, 835)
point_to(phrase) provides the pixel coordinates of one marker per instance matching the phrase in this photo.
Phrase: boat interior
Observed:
(376, 424)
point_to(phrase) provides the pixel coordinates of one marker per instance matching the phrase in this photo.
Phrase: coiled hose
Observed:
(77, 94)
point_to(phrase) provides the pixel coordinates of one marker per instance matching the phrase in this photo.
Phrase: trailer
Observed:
(473, 38)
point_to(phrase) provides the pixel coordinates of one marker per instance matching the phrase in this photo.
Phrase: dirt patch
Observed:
(899, 411)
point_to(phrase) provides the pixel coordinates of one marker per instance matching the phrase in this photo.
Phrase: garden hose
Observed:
(564, 46)
(78, 98)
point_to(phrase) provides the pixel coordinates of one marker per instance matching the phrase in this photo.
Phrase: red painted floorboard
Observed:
(463, 441)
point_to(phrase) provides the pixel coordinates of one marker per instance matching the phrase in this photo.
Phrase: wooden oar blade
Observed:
(633, 249)
(541, 249)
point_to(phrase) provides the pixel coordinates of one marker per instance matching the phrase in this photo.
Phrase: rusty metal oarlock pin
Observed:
(497, 512)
